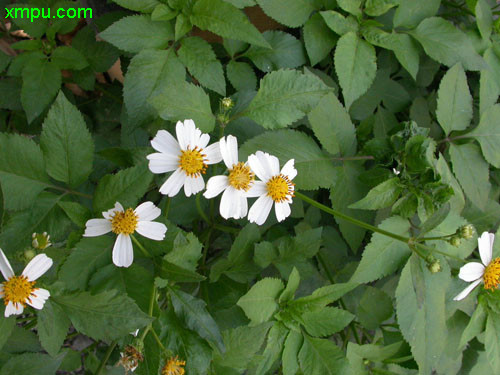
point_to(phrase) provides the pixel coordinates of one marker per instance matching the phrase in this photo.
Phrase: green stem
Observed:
(106, 357)
(434, 250)
(144, 251)
(225, 228)
(435, 238)
(167, 207)
(67, 191)
(157, 338)
(200, 210)
(150, 312)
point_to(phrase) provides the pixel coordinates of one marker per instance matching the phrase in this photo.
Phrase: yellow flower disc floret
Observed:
(279, 187)
(241, 177)
(174, 367)
(192, 162)
(124, 222)
(491, 275)
(18, 290)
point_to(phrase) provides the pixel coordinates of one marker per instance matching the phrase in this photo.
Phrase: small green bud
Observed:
(40, 240)
(227, 104)
(434, 267)
(455, 241)
(29, 254)
(466, 231)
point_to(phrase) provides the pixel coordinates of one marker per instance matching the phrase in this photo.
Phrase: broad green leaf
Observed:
(351, 6)
(149, 71)
(472, 172)
(454, 103)
(381, 196)
(182, 100)
(321, 357)
(10, 93)
(291, 286)
(186, 252)
(318, 39)
(162, 12)
(484, 18)
(475, 326)
(68, 58)
(76, 212)
(259, 304)
(52, 327)
(41, 82)
(322, 297)
(126, 187)
(6, 327)
(22, 171)
(66, 143)
(489, 83)
(487, 133)
(31, 363)
(225, 20)
(100, 55)
(144, 6)
(291, 13)
(326, 321)
(410, 13)
(138, 32)
(356, 66)
(241, 75)
(22, 340)
(375, 306)
(376, 8)
(313, 165)
(358, 354)
(175, 273)
(457, 202)
(383, 255)
(286, 52)
(437, 218)
(333, 126)
(199, 58)
(492, 341)
(25, 19)
(446, 44)
(103, 316)
(291, 349)
(285, 96)
(420, 304)
(338, 23)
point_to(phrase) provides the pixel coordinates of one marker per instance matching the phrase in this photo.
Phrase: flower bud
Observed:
(466, 231)
(455, 241)
(40, 240)
(434, 267)
(227, 104)
(29, 254)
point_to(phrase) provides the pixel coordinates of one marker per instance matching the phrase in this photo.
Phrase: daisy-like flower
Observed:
(124, 223)
(188, 157)
(275, 187)
(174, 366)
(235, 186)
(488, 272)
(17, 291)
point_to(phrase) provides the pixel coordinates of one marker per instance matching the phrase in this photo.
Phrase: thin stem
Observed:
(150, 313)
(144, 251)
(106, 357)
(155, 335)
(200, 210)
(68, 191)
(225, 228)
(167, 207)
(435, 238)
(433, 250)
(451, 139)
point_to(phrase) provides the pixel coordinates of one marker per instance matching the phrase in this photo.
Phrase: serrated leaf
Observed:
(291, 349)
(273, 349)
(410, 13)
(487, 133)
(322, 297)
(376, 8)
(259, 303)
(375, 306)
(381, 196)
(241, 75)
(186, 251)
(291, 286)
(52, 327)
(176, 273)
(68, 58)
(326, 321)
(339, 23)
(76, 212)
(288, 12)
(321, 357)
(318, 39)
(100, 55)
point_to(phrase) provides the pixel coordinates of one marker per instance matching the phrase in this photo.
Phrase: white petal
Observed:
(242, 206)
(203, 141)
(164, 142)
(274, 164)
(12, 309)
(282, 210)
(260, 210)
(467, 290)
(257, 189)
(471, 271)
(5, 266)
(147, 211)
(97, 227)
(193, 185)
(111, 212)
(215, 186)
(38, 298)
(256, 164)
(485, 244)
(152, 229)
(37, 267)
(212, 152)
(229, 150)
(226, 157)
(289, 169)
(123, 253)
(162, 163)
(174, 183)
(229, 203)
(182, 135)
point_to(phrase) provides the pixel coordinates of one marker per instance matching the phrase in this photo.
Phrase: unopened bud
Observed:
(29, 254)
(434, 267)
(466, 232)
(40, 240)
(227, 103)
(455, 241)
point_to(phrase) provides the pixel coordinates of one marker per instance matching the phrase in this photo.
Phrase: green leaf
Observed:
(321, 357)
(4, 61)
(286, 52)
(472, 172)
(291, 13)
(35, 27)
(100, 55)
(126, 187)
(144, 6)
(437, 218)
(376, 8)
(291, 286)
(31, 363)
(381, 196)
(383, 255)
(338, 23)
(52, 327)
(321, 297)
(492, 341)
(375, 306)
(6, 327)
(333, 126)
(318, 39)
(274, 347)
(162, 12)
(410, 13)
(484, 18)
(326, 321)
(356, 66)
(291, 349)
(186, 252)
(475, 326)
(489, 83)
(259, 303)
(285, 96)
(487, 133)
(351, 6)
(241, 75)
(196, 317)
(313, 165)
(182, 26)
(138, 32)
(41, 82)
(446, 44)
(68, 58)
(10, 94)
(182, 100)
(149, 71)
(178, 274)
(76, 212)
(23, 177)
(225, 20)
(66, 143)
(454, 103)
(103, 316)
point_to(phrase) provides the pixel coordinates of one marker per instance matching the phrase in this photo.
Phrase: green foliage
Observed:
(260, 303)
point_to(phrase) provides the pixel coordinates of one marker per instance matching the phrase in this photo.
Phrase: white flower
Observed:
(188, 157)
(487, 272)
(235, 186)
(17, 291)
(124, 223)
(276, 187)
(395, 171)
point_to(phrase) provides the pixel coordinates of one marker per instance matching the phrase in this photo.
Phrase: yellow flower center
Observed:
(124, 222)
(18, 290)
(192, 162)
(491, 275)
(278, 187)
(241, 177)
(173, 367)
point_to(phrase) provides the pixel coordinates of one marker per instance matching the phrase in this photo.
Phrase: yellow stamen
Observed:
(18, 290)
(279, 187)
(241, 177)
(491, 275)
(192, 162)
(173, 367)
(124, 222)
